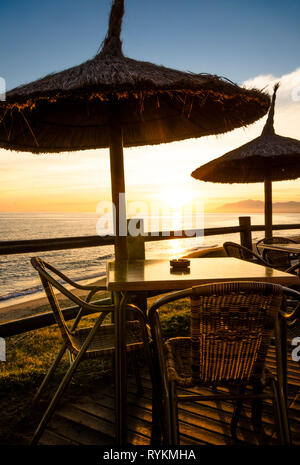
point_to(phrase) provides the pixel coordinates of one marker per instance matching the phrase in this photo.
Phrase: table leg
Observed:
(120, 369)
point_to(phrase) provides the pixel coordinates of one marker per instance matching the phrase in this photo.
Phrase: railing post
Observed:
(245, 234)
(136, 251)
(136, 244)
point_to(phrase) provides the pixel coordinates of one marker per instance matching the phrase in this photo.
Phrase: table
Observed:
(125, 276)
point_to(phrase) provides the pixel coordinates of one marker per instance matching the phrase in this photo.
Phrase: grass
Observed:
(29, 357)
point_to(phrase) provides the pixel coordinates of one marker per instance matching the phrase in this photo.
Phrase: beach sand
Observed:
(34, 306)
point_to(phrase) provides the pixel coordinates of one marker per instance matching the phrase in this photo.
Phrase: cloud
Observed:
(287, 101)
(288, 92)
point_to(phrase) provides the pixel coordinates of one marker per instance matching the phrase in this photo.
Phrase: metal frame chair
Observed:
(83, 343)
(92, 290)
(235, 250)
(277, 258)
(231, 327)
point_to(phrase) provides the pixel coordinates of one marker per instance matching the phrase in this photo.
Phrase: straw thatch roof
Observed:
(70, 110)
(269, 156)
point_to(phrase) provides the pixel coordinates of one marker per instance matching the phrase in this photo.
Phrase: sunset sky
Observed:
(252, 43)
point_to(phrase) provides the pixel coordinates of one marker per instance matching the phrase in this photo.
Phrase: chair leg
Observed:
(161, 422)
(49, 374)
(156, 433)
(285, 418)
(256, 412)
(174, 414)
(71, 357)
(65, 382)
(278, 414)
(57, 396)
(161, 406)
(137, 373)
(235, 419)
(256, 417)
(167, 420)
(236, 414)
(157, 398)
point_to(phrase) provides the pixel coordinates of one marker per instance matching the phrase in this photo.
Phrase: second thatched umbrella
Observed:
(267, 158)
(114, 101)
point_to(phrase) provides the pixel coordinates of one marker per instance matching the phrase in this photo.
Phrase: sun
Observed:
(176, 197)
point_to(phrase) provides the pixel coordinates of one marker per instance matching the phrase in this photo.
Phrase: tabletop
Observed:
(292, 248)
(138, 275)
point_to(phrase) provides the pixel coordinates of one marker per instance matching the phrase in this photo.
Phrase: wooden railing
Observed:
(64, 243)
(42, 245)
(45, 245)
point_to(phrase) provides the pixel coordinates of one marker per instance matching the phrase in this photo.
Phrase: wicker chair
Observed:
(231, 327)
(88, 342)
(235, 250)
(279, 259)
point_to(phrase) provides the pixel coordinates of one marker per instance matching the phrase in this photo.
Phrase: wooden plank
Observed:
(139, 422)
(214, 426)
(102, 426)
(50, 438)
(76, 432)
(82, 417)
(137, 408)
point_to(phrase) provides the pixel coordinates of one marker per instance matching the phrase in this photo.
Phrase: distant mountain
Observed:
(257, 206)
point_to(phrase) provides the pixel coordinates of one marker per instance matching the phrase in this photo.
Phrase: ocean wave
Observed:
(21, 293)
(105, 257)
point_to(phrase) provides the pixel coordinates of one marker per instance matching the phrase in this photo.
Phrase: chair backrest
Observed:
(235, 250)
(275, 240)
(276, 258)
(49, 282)
(231, 327)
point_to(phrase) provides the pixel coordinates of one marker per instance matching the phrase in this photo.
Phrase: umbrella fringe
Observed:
(30, 129)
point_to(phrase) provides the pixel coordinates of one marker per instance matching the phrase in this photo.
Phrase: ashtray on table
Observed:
(180, 264)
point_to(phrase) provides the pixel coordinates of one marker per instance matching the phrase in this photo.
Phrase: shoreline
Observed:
(34, 305)
(35, 295)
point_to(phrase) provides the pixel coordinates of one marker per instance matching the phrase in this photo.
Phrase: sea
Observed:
(19, 281)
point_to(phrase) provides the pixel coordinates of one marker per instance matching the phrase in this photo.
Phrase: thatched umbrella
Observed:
(267, 158)
(114, 101)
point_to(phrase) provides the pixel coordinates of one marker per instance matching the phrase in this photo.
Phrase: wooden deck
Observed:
(90, 419)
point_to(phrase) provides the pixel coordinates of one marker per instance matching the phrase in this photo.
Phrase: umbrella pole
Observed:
(268, 208)
(118, 183)
(120, 225)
